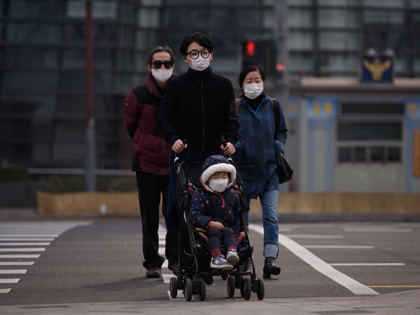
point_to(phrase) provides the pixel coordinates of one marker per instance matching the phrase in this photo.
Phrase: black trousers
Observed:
(150, 186)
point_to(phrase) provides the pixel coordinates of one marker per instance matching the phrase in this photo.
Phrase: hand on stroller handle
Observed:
(228, 149)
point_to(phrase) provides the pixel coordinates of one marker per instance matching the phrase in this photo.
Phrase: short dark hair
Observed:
(149, 58)
(249, 69)
(198, 37)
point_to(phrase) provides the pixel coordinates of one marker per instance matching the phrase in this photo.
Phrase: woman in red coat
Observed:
(151, 158)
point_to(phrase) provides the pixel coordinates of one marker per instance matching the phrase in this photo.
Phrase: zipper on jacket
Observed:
(202, 105)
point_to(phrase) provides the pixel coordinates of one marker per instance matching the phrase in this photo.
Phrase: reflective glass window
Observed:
(105, 9)
(382, 17)
(47, 9)
(377, 154)
(73, 58)
(125, 59)
(342, 62)
(71, 105)
(392, 40)
(369, 131)
(185, 18)
(220, 17)
(31, 57)
(33, 33)
(301, 62)
(384, 3)
(415, 3)
(103, 58)
(360, 154)
(333, 40)
(73, 81)
(300, 18)
(74, 33)
(149, 17)
(394, 154)
(107, 34)
(29, 81)
(335, 18)
(103, 81)
(298, 40)
(338, 2)
(344, 154)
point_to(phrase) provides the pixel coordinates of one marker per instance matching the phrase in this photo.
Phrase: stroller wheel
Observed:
(261, 290)
(247, 289)
(238, 282)
(202, 294)
(173, 288)
(231, 286)
(242, 286)
(224, 276)
(188, 289)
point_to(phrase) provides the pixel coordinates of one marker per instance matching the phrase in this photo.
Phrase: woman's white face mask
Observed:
(218, 184)
(200, 63)
(162, 75)
(253, 90)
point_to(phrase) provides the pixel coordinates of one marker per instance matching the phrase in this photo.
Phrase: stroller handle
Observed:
(224, 143)
(177, 162)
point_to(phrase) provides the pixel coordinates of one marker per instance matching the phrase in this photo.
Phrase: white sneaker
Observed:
(232, 257)
(220, 263)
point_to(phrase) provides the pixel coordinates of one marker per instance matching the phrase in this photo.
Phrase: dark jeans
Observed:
(150, 186)
(217, 236)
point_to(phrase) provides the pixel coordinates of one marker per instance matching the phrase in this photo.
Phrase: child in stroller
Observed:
(197, 260)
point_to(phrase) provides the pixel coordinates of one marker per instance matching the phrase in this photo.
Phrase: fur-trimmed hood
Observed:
(217, 163)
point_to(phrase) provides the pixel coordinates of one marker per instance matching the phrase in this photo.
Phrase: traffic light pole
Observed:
(90, 156)
(281, 83)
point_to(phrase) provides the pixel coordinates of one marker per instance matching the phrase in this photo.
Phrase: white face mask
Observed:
(253, 90)
(162, 75)
(200, 63)
(219, 184)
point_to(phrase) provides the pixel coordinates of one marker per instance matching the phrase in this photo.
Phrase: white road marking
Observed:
(165, 264)
(9, 280)
(19, 256)
(40, 249)
(339, 246)
(162, 242)
(5, 290)
(367, 264)
(29, 235)
(167, 278)
(314, 236)
(162, 251)
(319, 265)
(12, 271)
(26, 244)
(378, 230)
(25, 239)
(285, 229)
(179, 296)
(17, 263)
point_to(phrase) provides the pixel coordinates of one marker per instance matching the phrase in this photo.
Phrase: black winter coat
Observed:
(199, 111)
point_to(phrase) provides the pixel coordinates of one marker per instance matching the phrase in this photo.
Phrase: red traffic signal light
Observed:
(250, 48)
(280, 67)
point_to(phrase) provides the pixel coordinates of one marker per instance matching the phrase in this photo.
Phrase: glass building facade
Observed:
(42, 60)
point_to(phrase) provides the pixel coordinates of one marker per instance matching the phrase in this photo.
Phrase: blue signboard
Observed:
(376, 69)
(412, 108)
(293, 108)
(322, 108)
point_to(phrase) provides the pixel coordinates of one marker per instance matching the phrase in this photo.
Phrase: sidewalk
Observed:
(407, 303)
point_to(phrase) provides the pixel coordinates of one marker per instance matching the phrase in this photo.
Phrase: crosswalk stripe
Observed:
(17, 263)
(379, 230)
(41, 249)
(9, 280)
(29, 235)
(26, 244)
(167, 277)
(367, 264)
(19, 256)
(338, 246)
(5, 290)
(25, 239)
(314, 236)
(179, 296)
(12, 271)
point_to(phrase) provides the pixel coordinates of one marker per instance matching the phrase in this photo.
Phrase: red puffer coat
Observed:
(142, 111)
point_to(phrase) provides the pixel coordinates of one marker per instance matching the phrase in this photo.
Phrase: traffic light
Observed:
(261, 52)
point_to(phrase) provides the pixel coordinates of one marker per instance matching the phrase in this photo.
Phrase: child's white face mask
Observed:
(219, 184)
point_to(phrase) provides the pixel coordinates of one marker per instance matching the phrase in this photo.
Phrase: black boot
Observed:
(270, 268)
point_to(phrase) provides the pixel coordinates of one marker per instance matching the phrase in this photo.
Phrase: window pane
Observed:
(300, 62)
(73, 81)
(31, 57)
(379, 17)
(378, 109)
(34, 33)
(340, 40)
(300, 40)
(184, 18)
(338, 18)
(248, 18)
(344, 154)
(369, 131)
(394, 154)
(300, 18)
(377, 154)
(384, 3)
(73, 58)
(103, 58)
(338, 2)
(360, 154)
(50, 9)
(342, 62)
(29, 81)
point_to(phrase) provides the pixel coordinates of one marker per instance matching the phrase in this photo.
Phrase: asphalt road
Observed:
(101, 261)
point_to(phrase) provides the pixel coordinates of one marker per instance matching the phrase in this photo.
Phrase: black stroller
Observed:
(194, 253)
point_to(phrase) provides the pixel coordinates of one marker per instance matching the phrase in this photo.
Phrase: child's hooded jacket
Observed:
(200, 210)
